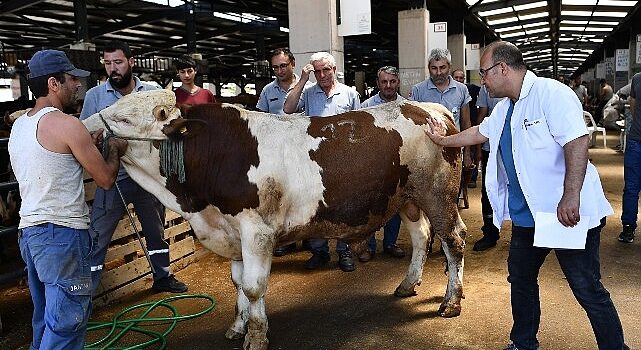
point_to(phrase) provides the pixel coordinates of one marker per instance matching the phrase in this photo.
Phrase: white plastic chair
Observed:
(592, 127)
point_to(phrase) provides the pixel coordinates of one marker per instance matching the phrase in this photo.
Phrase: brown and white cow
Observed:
(255, 181)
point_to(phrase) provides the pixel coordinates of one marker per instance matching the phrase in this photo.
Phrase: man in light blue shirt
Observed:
(325, 98)
(272, 97)
(441, 88)
(107, 207)
(387, 82)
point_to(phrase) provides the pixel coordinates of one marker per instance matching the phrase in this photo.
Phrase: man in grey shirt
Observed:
(441, 88)
(107, 207)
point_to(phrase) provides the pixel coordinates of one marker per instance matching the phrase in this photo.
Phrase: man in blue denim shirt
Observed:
(49, 150)
(107, 207)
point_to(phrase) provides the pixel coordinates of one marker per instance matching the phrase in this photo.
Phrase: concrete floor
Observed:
(329, 309)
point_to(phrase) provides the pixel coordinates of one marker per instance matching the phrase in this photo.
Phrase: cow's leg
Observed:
(257, 241)
(452, 235)
(418, 226)
(238, 329)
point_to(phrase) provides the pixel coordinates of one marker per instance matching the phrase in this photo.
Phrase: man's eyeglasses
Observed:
(325, 70)
(281, 66)
(482, 71)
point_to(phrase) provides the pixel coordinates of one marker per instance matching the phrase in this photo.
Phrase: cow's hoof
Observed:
(233, 334)
(404, 293)
(256, 345)
(449, 310)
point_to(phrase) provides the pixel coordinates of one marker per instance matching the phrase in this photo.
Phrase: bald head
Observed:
(508, 53)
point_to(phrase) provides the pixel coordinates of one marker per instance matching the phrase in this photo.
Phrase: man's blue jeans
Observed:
(581, 267)
(390, 233)
(59, 277)
(632, 179)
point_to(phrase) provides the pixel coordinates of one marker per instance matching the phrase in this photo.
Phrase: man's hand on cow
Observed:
(568, 210)
(307, 70)
(119, 145)
(97, 137)
(436, 130)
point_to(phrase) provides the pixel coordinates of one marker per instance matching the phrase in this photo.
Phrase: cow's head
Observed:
(139, 115)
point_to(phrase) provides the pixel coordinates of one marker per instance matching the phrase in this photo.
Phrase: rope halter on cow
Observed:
(172, 159)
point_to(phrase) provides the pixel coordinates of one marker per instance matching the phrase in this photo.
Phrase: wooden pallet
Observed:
(126, 269)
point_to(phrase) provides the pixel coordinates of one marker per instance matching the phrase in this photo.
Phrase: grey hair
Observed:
(319, 56)
(508, 53)
(387, 69)
(438, 54)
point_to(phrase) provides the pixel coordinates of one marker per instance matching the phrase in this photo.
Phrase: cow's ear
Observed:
(184, 128)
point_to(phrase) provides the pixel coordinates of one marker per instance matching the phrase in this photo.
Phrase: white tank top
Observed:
(51, 183)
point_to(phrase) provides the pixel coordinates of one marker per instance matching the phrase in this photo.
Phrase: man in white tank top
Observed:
(48, 151)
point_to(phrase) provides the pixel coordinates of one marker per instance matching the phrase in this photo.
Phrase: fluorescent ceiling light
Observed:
(171, 3)
(531, 5)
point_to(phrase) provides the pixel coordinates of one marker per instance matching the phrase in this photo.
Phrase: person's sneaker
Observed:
(169, 284)
(484, 243)
(317, 260)
(366, 256)
(627, 235)
(511, 347)
(394, 250)
(345, 261)
(285, 249)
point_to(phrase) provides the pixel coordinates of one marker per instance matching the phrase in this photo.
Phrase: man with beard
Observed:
(441, 88)
(325, 98)
(108, 208)
(387, 82)
(49, 150)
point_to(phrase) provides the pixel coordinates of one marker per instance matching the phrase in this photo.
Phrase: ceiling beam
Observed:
(17, 5)
(499, 5)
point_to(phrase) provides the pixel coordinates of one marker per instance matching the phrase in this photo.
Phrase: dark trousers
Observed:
(581, 267)
(489, 230)
(107, 211)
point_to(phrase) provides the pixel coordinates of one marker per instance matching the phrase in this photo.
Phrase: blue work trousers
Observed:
(390, 234)
(581, 268)
(320, 245)
(108, 210)
(632, 180)
(59, 278)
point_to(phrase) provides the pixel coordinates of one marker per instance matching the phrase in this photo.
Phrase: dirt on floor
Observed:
(330, 309)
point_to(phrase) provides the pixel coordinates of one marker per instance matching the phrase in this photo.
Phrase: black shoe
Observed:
(345, 261)
(484, 244)
(169, 284)
(627, 236)
(284, 250)
(317, 260)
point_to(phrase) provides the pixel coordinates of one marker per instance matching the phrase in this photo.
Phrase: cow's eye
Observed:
(161, 113)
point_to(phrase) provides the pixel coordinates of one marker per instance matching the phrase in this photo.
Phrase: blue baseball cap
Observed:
(45, 62)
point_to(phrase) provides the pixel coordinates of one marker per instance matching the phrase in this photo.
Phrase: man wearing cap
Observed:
(48, 151)
(107, 207)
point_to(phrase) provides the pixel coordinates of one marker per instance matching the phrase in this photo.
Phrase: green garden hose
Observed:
(119, 326)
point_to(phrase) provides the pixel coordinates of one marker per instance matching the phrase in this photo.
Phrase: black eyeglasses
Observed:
(281, 66)
(482, 71)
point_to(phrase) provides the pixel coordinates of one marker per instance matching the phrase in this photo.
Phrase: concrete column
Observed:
(412, 47)
(313, 28)
(456, 45)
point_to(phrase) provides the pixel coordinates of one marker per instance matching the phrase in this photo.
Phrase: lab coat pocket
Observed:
(536, 133)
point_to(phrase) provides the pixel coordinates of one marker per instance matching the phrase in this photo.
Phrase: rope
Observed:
(119, 326)
(172, 159)
(172, 155)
